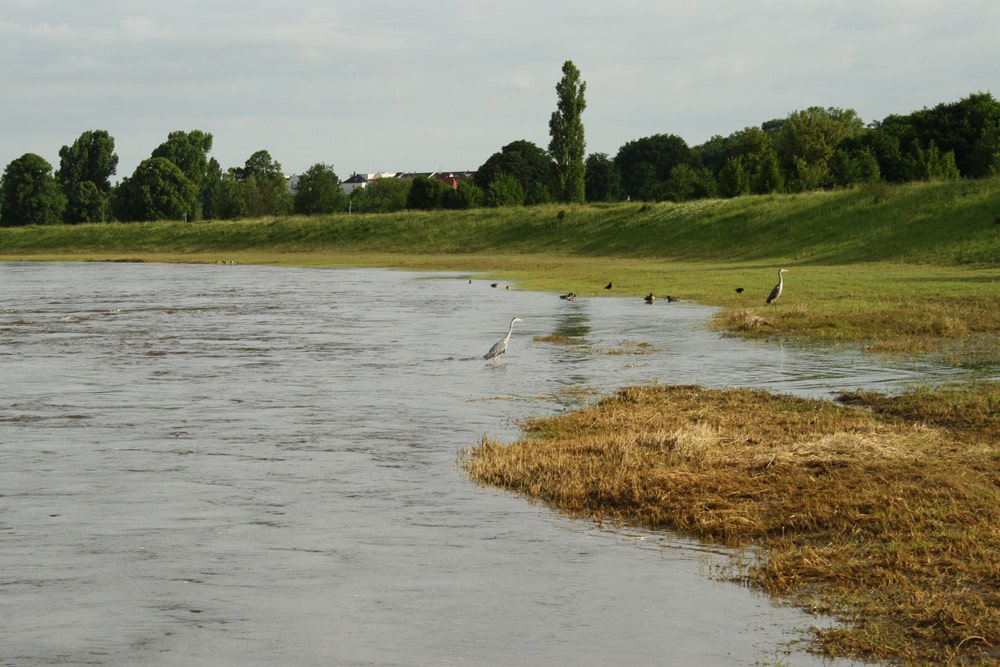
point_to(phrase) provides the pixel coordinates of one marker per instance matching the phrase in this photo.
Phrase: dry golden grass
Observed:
(888, 517)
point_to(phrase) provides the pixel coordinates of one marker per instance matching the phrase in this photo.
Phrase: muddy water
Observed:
(234, 465)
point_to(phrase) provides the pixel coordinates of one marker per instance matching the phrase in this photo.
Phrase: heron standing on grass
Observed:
(501, 345)
(776, 292)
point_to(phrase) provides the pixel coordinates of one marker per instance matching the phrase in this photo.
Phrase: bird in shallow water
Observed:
(671, 299)
(501, 345)
(776, 292)
(649, 298)
(570, 296)
(494, 284)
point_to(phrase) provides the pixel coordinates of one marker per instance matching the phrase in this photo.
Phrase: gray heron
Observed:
(776, 292)
(501, 345)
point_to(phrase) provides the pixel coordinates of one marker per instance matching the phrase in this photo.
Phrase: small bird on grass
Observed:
(608, 286)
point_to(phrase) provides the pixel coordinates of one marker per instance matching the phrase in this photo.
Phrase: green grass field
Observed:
(912, 268)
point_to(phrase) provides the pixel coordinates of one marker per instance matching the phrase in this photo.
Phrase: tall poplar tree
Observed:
(568, 145)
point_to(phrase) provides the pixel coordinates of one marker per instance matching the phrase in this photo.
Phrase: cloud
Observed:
(401, 85)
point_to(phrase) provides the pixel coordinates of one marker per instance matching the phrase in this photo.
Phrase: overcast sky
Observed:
(441, 85)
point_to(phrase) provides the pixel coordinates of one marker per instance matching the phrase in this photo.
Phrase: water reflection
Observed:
(256, 466)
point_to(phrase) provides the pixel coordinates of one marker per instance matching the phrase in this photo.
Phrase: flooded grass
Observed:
(627, 347)
(561, 339)
(884, 512)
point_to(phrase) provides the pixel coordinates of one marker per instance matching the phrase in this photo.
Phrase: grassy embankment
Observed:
(913, 268)
(888, 517)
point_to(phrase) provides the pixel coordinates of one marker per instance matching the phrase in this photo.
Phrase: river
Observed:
(244, 465)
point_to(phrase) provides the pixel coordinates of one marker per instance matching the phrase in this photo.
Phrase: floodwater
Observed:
(241, 465)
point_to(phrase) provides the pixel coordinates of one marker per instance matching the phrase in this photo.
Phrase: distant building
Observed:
(353, 183)
(451, 178)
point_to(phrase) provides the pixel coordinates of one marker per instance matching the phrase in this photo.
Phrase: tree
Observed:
(86, 204)
(319, 191)
(265, 187)
(228, 199)
(157, 190)
(850, 166)
(30, 193)
(886, 140)
(467, 195)
(734, 180)
(189, 151)
(930, 164)
(645, 165)
(959, 128)
(213, 192)
(687, 182)
(426, 193)
(386, 195)
(602, 181)
(505, 190)
(525, 162)
(769, 178)
(568, 146)
(808, 141)
(91, 159)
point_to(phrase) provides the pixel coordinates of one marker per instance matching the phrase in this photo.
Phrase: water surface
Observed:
(238, 465)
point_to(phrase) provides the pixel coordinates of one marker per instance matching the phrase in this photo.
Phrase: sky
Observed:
(442, 85)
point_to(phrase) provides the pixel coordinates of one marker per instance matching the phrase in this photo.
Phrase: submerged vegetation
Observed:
(884, 511)
(886, 517)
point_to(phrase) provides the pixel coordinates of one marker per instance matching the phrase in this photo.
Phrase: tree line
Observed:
(814, 148)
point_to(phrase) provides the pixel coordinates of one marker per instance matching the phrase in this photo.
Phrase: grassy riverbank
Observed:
(886, 516)
(913, 268)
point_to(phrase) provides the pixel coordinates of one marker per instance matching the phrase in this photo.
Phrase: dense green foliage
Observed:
(427, 193)
(157, 190)
(526, 163)
(85, 171)
(319, 191)
(568, 146)
(811, 149)
(30, 194)
(387, 195)
(189, 151)
(602, 180)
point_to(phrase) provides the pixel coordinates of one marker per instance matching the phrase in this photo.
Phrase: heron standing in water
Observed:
(776, 292)
(501, 345)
